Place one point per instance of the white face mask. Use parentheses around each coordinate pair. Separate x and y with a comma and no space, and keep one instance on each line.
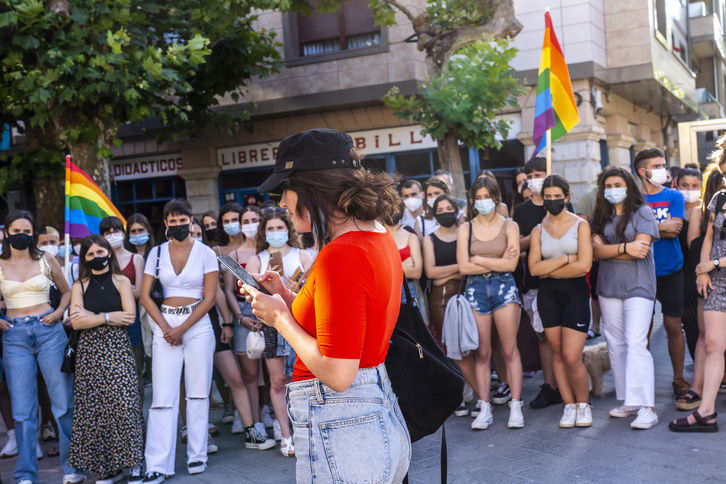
(413,204)
(691,196)
(431,201)
(536,184)
(77,249)
(51,250)
(250,230)
(115,240)
(658,176)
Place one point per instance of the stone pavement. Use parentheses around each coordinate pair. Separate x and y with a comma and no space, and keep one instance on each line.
(607,452)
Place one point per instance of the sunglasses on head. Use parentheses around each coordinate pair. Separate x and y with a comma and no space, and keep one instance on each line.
(276,210)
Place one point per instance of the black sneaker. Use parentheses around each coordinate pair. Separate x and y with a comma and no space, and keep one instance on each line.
(154,478)
(255,440)
(228,415)
(547,396)
(137,473)
(196,467)
(503,395)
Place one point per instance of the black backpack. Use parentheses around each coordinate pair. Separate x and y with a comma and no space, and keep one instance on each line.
(429,386)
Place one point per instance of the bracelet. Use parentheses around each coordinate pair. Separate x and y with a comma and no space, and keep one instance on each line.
(106,319)
(625,247)
(228,325)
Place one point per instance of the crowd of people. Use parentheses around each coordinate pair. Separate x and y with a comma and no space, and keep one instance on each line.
(130,302)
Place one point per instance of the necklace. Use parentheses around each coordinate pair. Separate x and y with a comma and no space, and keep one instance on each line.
(94,278)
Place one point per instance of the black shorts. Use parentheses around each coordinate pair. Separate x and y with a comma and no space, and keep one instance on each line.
(564,302)
(593,279)
(214,318)
(669,291)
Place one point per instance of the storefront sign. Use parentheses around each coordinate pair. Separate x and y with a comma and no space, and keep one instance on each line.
(389,140)
(148,167)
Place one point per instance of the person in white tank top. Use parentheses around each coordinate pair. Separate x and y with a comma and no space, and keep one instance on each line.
(277,235)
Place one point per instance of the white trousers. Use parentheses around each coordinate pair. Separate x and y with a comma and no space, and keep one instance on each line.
(625,323)
(197,351)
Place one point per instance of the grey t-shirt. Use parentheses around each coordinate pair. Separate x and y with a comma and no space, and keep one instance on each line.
(623,279)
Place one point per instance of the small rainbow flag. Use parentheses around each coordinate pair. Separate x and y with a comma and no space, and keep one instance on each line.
(86,204)
(555,106)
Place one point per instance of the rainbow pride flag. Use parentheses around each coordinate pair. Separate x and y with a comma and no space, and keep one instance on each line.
(86,204)
(555,106)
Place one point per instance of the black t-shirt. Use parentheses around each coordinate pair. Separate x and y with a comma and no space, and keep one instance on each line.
(528,215)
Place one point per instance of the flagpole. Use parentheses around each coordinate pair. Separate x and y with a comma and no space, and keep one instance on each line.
(548,150)
(67,236)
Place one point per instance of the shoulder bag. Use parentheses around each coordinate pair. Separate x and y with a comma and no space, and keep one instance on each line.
(54,295)
(157,289)
(69,355)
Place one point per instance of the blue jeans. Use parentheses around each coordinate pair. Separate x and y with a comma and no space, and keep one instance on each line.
(487,294)
(30,344)
(358,435)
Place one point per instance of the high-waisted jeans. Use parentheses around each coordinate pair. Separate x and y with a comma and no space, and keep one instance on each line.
(27,346)
(358,435)
(197,351)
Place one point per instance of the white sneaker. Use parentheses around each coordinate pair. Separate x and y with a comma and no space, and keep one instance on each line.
(569,416)
(468,393)
(276,430)
(266,417)
(462,411)
(24,481)
(484,419)
(74,478)
(647,419)
(260,427)
(287,448)
(11,446)
(38,451)
(477,409)
(196,468)
(584,415)
(237,426)
(516,419)
(624,411)
(211,446)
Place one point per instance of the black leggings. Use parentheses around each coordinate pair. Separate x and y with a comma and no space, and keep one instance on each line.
(564,302)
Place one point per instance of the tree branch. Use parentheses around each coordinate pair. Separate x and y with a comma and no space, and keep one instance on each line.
(402,9)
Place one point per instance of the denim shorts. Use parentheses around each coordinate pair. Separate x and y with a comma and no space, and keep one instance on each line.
(487,294)
(358,435)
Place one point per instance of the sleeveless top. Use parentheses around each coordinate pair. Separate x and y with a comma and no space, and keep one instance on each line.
(493,248)
(405,253)
(101,295)
(290,262)
(24,294)
(130,270)
(444,252)
(566,245)
(239,294)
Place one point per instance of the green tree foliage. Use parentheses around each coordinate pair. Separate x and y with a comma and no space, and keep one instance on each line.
(465,98)
(74,72)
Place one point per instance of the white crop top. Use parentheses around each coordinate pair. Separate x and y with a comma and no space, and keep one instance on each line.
(190,282)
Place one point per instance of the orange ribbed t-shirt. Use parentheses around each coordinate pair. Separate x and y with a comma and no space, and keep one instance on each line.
(351,299)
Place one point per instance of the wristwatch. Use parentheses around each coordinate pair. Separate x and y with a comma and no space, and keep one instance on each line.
(717,264)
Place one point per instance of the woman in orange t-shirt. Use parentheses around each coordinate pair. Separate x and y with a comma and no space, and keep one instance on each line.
(342,408)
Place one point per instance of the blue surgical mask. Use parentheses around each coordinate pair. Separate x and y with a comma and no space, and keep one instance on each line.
(233,229)
(616,195)
(485,207)
(139,239)
(276,239)
(62,251)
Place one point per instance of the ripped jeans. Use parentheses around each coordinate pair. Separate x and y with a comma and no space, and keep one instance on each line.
(487,294)
(197,350)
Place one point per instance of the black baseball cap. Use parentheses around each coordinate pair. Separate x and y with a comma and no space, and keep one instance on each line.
(315,149)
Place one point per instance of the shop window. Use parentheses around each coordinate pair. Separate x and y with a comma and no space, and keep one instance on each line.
(350,27)
(148,197)
(375,165)
(422,164)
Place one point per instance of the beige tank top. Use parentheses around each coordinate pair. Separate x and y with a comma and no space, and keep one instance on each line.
(494,248)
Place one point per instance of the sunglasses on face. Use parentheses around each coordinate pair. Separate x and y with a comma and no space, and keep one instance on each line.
(276,210)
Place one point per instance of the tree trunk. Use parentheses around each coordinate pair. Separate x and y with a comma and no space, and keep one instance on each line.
(450,159)
(49,202)
(85,156)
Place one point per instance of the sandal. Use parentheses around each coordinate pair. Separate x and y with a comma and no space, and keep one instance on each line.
(689,401)
(700,425)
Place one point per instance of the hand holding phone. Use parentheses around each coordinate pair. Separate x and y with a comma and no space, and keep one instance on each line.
(240,273)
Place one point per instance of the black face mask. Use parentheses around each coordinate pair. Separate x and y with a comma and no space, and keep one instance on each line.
(211,234)
(446,219)
(20,241)
(554,207)
(178,232)
(98,263)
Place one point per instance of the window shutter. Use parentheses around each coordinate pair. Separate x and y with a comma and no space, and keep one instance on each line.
(320,26)
(358,18)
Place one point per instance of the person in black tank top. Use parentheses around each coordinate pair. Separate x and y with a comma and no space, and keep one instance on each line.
(102,307)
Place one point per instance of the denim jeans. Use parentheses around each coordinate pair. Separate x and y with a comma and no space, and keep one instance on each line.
(30,344)
(197,351)
(358,435)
